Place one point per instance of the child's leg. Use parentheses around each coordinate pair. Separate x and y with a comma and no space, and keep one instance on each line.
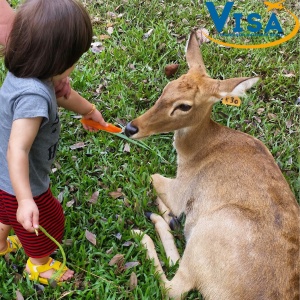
(38,248)
(4,231)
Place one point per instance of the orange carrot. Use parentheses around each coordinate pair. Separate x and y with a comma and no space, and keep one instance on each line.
(110,128)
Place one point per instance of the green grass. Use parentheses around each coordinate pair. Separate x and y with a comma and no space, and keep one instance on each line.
(268,113)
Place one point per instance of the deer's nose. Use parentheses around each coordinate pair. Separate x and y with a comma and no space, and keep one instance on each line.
(131,130)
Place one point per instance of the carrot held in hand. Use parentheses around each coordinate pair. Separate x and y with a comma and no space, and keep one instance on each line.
(110,128)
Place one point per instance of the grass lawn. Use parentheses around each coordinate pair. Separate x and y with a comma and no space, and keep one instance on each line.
(103,180)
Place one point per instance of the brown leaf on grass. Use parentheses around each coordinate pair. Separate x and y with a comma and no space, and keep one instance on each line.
(109,251)
(118,193)
(126,202)
(60,196)
(70,203)
(17,278)
(78,145)
(127,244)
(68,242)
(111,14)
(133,281)
(104,37)
(287,73)
(131,264)
(257,119)
(117,259)
(118,235)
(260,110)
(171,69)
(126,148)
(19,295)
(94,197)
(147,34)
(91,237)
(110,30)
(97,47)
(289,123)
(272,116)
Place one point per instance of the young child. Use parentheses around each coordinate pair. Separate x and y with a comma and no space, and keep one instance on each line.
(46,40)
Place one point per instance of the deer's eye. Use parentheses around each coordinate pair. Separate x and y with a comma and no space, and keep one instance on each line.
(184,107)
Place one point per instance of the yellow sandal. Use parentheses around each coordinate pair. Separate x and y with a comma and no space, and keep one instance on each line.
(13,244)
(35,271)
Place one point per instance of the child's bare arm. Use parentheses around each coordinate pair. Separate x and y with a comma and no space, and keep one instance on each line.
(23,133)
(80,105)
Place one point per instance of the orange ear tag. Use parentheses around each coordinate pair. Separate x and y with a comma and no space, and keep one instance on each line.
(234,101)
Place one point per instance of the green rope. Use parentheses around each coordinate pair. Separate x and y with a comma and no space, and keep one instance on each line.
(63,264)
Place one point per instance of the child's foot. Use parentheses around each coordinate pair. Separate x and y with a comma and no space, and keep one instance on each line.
(44,272)
(12,245)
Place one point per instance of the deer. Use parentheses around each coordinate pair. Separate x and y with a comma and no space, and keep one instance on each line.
(241,217)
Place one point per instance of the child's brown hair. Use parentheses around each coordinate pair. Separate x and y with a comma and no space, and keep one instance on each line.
(47,38)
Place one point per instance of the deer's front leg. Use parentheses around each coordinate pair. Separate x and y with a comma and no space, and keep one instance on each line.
(167,201)
(162,186)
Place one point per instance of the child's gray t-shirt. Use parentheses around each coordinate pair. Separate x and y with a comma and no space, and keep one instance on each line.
(29,98)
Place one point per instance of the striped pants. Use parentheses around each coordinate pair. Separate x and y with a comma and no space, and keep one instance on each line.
(51,217)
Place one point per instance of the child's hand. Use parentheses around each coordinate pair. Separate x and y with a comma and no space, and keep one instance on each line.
(28,214)
(95,116)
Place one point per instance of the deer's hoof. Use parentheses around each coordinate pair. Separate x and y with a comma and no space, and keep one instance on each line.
(174,224)
(148,214)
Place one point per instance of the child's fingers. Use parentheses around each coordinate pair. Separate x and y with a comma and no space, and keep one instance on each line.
(35,220)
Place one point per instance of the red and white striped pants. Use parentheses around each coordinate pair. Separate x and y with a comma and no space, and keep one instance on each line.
(51,217)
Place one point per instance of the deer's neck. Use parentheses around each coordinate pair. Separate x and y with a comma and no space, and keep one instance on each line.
(191,140)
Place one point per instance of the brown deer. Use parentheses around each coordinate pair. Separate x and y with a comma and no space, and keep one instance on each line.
(242,220)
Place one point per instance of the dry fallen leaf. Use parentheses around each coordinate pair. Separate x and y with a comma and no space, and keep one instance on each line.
(133,281)
(94,197)
(77,146)
(68,242)
(118,235)
(272,116)
(289,75)
(126,148)
(118,193)
(109,251)
(116,259)
(19,295)
(147,34)
(91,237)
(104,37)
(70,203)
(110,30)
(289,123)
(131,264)
(127,244)
(60,197)
(171,69)
(97,47)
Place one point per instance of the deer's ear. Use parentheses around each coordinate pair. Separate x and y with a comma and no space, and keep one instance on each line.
(236,86)
(193,54)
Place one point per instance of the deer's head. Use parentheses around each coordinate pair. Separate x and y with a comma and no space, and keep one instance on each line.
(187,101)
